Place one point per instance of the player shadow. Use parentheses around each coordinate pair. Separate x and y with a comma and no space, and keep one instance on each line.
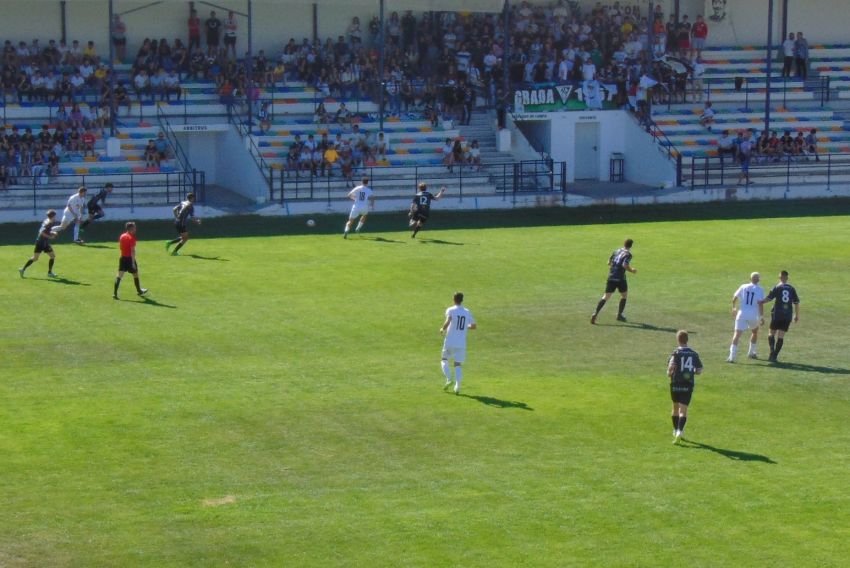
(496,402)
(199,257)
(731,454)
(91,246)
(643,327)
(148,302)
(381,240)
(809,368)
(65,281)
(440,242)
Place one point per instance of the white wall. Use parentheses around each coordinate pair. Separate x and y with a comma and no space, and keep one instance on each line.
(646,163)
(822,21)
(610,137)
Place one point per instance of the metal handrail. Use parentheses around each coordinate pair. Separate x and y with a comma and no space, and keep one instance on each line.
(775,82)
(244,131)
(507,177)
(176,185)
(717,171)
(179,153)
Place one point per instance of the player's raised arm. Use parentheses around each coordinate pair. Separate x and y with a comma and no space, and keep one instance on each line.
(440,194)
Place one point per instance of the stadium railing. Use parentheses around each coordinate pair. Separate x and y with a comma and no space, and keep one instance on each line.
(503,178)
(713,171)
(130,189)
(779,87)
(180,155)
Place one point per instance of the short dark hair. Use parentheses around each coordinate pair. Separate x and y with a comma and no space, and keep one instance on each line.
(784,274)
(51,213)
(109,185)
(129,225)
(628,244)
(365,180)
(682,336)
(190,196)
(458,297)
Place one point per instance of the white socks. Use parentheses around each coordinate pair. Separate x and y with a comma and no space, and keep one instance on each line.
(458,376)
(752,350)
(446,370)
(76,231)
(359,226)
(733,351)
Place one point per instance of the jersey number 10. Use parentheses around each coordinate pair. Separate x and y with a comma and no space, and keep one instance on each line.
(461,323)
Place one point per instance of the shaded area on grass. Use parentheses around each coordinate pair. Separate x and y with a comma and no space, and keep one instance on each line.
(199,257)
(731,454)
(642,327)
(257,226)
(146,301)
(497,402)
(809,368)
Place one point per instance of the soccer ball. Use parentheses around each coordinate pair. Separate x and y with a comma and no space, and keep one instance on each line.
(311,223)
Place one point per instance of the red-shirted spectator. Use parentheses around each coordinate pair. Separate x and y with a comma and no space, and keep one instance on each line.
(194,30)
(88,142)
(700,33)
(127,262)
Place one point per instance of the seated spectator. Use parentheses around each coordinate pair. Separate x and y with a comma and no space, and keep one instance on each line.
(707,117)
(78,84)
(4,177)
(44,137)
(51,87)
(475,155)
(151,155)
(88,142)
(53,166)
(775,151)
(799,144)
(77,118)
(787,144)
(343,115)
(87,73)
(458,154)
(318,161)
(65,90)
(305,160)
(90,52)
(122,97)
(448,156)
(142,85)
(321,115)
(157,84)
(161,144)
(380,147)
(762,149)
(171,86)
(292,159)
(812,144)
(24,87)
(74,143)
(330,158)
(264,118)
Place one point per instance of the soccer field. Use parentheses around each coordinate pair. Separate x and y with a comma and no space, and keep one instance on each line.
(278,401)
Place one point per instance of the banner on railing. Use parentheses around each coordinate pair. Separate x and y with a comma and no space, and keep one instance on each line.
(199,127)
(582,95)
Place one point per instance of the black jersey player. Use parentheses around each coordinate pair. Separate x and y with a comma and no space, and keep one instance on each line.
(684,364)
(618,264)
(786,308)
(95,206)
(182,212)
(42,244)
(420,208)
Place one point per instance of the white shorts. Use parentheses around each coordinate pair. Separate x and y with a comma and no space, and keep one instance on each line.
(742,324)
(458,354)
(67,218)
(358,211)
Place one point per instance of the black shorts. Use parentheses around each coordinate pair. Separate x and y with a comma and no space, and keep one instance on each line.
(181,226)
(126,264)
(229,40)
(119,41)
(95,210)
(779,324)
(420,216)
(43,246)
(620,285)
(682,395)
(212,40)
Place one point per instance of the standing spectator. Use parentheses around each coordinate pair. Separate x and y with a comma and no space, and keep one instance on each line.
(213,27)
(88,143)
(700,33)
(812,144)
(745,147)
(230,26)
(150,155)
(194,31)
(788,55)
(119,37)
(801,54)
(707,117)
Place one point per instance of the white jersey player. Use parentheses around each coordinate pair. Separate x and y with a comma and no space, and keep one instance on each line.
(74,213)
(458,321)
(749,314)
(363,197)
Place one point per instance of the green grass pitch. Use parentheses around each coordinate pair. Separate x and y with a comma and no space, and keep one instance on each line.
(278,401)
